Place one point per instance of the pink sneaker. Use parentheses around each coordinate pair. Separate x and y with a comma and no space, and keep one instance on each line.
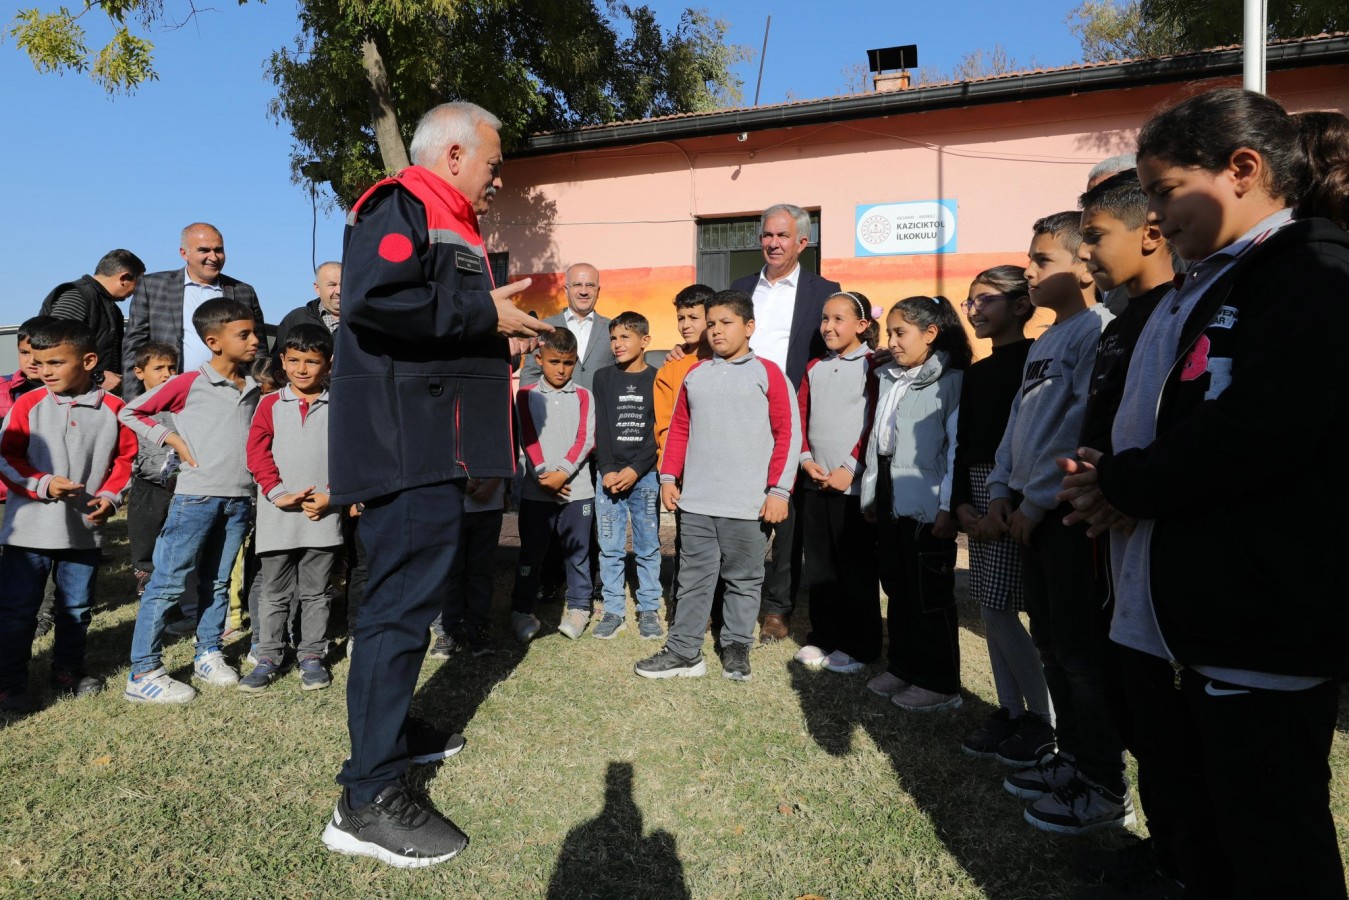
(887,685)
(917,699)
(810,656)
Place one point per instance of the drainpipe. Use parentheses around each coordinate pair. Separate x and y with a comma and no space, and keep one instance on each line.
(1253,49)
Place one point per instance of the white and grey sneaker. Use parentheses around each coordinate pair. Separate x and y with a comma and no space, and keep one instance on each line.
(157,687)
(212,669)
(1081,806)
(574,622)
(1041,780)
(394,828)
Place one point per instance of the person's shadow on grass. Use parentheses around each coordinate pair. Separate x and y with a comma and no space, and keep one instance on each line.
(608,856)
(977,821)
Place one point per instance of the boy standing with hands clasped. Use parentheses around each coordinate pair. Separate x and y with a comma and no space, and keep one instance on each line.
(212,503)
(296,537)
(625,451)
(66,462)
(1081,787)
(557,501)
(730,488)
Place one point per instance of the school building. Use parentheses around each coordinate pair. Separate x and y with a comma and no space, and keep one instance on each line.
(912,190)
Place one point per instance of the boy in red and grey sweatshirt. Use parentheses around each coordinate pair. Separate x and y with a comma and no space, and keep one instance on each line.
(212,500)
(66,461)
(298,534)
(557,499)
(729,466)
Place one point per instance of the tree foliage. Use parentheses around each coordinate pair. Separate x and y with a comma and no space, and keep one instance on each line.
(1111,30)
(57,41)
(979,63)
(539,66)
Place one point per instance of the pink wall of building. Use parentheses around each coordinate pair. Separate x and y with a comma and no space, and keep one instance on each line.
(633,211)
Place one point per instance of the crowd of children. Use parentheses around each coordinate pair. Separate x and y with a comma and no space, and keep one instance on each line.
(891,452)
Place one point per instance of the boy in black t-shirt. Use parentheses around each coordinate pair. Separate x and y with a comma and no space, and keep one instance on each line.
(627,488)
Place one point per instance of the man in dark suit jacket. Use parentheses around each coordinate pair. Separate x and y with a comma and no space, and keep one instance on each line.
(157,307)
(788,304)
(583,292)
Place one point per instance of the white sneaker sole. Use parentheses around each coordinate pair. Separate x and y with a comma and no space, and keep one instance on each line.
(734,676)
(339,841)
(1123,822)
(695,671)
(163,700)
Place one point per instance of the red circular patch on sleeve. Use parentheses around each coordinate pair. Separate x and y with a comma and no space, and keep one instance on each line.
(395,247)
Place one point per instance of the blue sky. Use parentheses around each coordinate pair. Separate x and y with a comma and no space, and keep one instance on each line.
(88,173)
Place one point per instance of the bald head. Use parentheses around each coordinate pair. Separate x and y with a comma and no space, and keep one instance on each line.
(203,250)
(328,287)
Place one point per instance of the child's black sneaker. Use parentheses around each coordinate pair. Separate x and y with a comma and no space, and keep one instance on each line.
(1032,744)
(443,647)
(428,744)
(648,625)
(16,700)
(264,673)
(479,641)
(1081,806)
(75,684)
(1041,780)
(394,828)
(735,662)
(668,664)
(313,674)
(609,626)
(985,739)
(45,623)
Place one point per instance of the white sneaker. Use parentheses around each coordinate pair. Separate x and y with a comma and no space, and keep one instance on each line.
(574,622)
(157,687)
(212,669)
(810,656)
(842,663)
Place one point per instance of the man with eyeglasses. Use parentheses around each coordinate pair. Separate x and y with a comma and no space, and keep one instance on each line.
(580,318)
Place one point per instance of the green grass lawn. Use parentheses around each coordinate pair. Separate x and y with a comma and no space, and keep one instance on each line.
(579,780)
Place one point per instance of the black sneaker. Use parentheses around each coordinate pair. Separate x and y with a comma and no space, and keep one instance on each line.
(73,684)
(735,662)
(668,664)
(985,739)
(394,828)
(1032,744)
(428,744)
(1081,806)
(443,647)
(16,700)
(479,641)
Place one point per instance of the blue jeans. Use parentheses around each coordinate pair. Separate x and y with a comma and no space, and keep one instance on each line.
(640,505)
(23,579)
(201,534)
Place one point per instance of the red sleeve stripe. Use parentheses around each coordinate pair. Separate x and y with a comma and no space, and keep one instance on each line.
(529,435)
(579,449)
(171,397)
(259,448)
(780,418)
(127,447)
(14,445)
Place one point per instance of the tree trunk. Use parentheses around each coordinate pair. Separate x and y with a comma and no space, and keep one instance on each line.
(382,114)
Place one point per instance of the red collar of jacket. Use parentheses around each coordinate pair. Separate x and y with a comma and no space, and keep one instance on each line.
(445,206)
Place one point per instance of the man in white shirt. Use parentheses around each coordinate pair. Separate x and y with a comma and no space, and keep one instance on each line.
(788,304)
(582,287)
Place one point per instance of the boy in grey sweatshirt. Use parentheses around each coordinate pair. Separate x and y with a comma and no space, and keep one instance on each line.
(212,502)
(557,500)
(66,461)
(731,487)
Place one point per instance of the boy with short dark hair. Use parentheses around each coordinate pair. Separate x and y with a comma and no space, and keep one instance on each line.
(629,488)
(212,502)
(26,377)
(557,431)
(1082,786)
(66,461)
(691,318)
(729,467)
(155,470)
(297,535)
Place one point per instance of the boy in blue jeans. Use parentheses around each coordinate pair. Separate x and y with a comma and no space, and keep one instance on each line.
(629,488)
(65,482)
(212,501)
(557,500)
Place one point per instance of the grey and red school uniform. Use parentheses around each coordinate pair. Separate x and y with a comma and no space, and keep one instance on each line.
(557,432)
(287,453)
(733,441)
(212,504)
(78,438)
(837,399)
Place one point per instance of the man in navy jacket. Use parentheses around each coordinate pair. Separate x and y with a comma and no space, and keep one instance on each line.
(420,403)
